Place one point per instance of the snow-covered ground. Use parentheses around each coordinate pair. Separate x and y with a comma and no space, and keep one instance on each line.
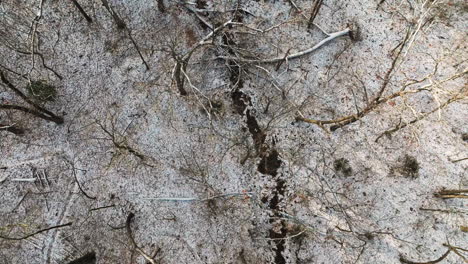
(230,172)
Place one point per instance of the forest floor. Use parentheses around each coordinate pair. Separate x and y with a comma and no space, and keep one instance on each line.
(235,132)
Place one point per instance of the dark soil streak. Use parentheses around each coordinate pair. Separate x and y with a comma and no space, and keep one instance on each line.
(270,161)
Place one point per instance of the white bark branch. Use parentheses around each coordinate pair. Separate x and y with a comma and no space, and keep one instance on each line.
(331,37)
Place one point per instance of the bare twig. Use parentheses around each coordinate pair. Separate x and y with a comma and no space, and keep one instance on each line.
(331,37)
(118,21)
(42,112)
(122,25)
(11,128)
(448,194)
(182,61)
(202,19)
(35,233)
(403,260)
(451,248)
(389,132)
(82,11)
(132,239)
(29,111)
(315,10)
(72,164)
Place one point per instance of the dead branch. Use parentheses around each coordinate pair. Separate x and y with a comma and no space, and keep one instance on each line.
(196,12)
(11,128)
(448,194)
(315,10)
(342,121)
(35,233)
(346,120)
(82,11)
(120,144)
(193,199)
(41,112)
(121,25)
(32,112)
(118,21)
(72,164)
(403,260)
(448,211)
(389,132)
(457,250)
(182,61)
(451,248)
(132,239)
(33,34)
(331,37)
(40,56)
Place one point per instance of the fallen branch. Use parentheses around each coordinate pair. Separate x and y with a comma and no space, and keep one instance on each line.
(72,164)
(132,239)
(389,132)
(182,61)
(41,112)
(161,6)
(11,128)
(448,194)
(40,56)
(403,260)
(82,11)
(33,112)
(35,233)
(451,248)
(122,25)
(331,37)
(315,10)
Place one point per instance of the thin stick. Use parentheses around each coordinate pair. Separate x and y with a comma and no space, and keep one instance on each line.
(331,37)
(78,182)
(403,260)
(122,25)
(29,111)
(35,233)
(53,117)
(132,239)
(12,129)
(193,199)
(82,11)
(315,10)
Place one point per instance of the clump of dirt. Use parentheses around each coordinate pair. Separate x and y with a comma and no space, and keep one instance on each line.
(342,165)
